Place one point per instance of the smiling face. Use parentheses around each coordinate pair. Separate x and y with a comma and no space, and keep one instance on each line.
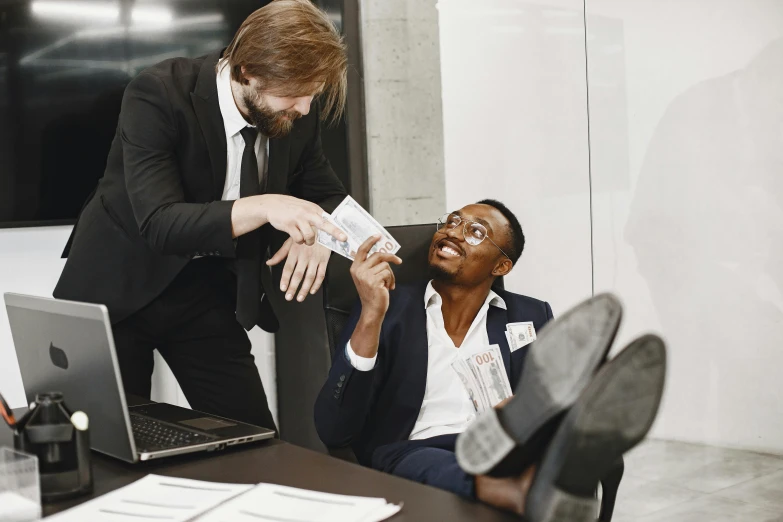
(452,259)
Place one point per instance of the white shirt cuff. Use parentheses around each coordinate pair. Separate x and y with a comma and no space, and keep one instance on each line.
(363,364)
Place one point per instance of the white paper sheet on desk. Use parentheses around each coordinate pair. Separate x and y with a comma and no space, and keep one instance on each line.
(154,498)
(272,502)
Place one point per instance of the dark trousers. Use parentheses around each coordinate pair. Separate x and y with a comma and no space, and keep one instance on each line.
(428,461)
(193,325)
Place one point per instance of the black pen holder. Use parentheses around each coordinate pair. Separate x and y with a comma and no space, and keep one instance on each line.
(63,451)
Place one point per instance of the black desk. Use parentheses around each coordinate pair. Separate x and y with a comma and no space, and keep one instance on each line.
(282,463)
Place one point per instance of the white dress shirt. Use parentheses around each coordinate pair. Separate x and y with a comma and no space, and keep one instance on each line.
(446,407)
(235,144)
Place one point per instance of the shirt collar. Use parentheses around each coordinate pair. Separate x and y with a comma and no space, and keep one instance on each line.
(432,297)
(232,118)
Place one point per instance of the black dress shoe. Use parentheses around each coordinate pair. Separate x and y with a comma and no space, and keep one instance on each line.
(559,365)
(613,414)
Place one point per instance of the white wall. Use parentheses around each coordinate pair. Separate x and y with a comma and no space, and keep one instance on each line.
(30,264)
(686,148)
(515,129)
(687,145)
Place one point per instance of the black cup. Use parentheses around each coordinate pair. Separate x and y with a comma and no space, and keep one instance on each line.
(63,451)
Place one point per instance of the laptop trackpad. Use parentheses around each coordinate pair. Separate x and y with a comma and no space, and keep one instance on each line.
(207,423)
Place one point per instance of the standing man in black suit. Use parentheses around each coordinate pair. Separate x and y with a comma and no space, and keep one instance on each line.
(214,159)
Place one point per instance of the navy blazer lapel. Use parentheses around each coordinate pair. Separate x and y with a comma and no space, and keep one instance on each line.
(497,318)
(205,103)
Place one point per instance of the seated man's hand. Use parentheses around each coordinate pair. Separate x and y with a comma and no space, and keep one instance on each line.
(503,402)
(373,278)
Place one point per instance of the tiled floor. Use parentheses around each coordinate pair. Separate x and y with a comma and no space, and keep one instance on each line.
(678,482)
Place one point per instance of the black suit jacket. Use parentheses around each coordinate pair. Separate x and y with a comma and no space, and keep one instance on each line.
(158,203)
(367,410)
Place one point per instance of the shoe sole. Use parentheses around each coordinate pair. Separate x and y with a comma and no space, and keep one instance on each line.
(614,414)
(547,387)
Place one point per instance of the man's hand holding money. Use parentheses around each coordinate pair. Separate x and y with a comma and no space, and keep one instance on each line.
(373,277)
(302,220)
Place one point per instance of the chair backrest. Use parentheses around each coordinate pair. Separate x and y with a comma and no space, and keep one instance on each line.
(340,293)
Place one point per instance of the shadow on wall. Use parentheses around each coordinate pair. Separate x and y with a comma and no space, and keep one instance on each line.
(706,220)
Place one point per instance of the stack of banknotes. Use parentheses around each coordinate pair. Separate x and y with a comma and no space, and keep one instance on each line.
(358,225)
(483,373)
(484,376)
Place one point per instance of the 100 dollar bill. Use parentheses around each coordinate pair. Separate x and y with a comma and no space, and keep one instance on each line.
(484,376)
(358,225)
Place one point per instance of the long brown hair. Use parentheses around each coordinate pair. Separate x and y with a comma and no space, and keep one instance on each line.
(290,46)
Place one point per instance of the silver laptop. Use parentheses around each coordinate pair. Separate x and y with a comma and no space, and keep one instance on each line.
(68,347)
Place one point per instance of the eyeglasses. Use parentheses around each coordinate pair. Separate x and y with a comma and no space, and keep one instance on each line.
(473,233)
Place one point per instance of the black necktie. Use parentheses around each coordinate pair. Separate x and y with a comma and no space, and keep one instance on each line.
(248,261)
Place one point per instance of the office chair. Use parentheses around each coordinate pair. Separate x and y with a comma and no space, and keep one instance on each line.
(340,296)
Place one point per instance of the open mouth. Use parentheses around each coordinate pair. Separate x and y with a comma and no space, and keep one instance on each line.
(449,248)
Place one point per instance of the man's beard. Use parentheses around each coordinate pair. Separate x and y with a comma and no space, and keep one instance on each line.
(439,274)
(272,124)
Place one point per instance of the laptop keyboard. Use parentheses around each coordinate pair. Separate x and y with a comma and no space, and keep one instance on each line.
(152,435)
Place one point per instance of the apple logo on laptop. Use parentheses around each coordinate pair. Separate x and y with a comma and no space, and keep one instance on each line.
(58,357)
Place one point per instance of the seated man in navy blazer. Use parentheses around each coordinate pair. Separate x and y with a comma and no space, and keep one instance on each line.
(392,391)
(394,398)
